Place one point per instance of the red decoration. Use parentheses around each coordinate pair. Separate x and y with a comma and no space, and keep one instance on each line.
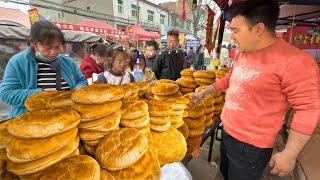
(209,26)
(183,10)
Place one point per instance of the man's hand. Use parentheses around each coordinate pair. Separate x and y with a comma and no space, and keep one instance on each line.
(197,97)
(282,163)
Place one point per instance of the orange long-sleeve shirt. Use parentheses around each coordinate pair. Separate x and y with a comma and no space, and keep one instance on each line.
(260,88)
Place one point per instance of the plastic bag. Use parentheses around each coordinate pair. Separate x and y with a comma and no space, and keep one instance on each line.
(175,171)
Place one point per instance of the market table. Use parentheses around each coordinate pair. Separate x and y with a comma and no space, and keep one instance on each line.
(208,132)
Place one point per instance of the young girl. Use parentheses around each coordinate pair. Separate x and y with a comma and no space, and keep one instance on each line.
(118,62)
(148,75)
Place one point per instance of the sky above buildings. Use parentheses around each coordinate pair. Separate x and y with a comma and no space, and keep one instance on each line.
(161,1)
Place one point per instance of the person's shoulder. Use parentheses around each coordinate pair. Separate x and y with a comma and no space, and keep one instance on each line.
(292,53)
(64,58)
(19,57)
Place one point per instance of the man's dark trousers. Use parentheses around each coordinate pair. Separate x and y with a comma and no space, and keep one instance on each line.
(242,161)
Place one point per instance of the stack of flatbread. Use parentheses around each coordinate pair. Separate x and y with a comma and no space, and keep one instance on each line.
(204,77)
(100,108)
(40,139)
(124,154)
(187,82)
(135,115)
(131,92)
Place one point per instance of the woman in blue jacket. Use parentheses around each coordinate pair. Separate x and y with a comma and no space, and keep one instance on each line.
(40,67)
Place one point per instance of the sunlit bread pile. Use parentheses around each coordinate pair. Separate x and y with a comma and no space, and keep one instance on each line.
(49,99)
(135,115)
(187,82)
(168,146)
(131,92)
(204,77)
(195,120)
(76,167)
(42,138)
(100,108)
(178,106)
(209,101)
(159,113)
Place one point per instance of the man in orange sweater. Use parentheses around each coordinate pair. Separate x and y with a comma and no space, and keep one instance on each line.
(268,76)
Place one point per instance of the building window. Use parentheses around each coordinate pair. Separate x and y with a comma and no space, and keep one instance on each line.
(135,11)
(150,15)
(120,6)
(75,11)
(88,8)
(162,18)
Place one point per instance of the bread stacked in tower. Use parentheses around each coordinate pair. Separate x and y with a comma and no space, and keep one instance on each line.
(178,106)
(187,82)
(168,146)
(159,113)
(165,89)
(209,101)
(218,103)
(131,92)
(135,115)
(49,99)
(143,87)
(40,139)
(221,73)
(5,138)
(124,154)
(204,77)
(195,119)
(100,108)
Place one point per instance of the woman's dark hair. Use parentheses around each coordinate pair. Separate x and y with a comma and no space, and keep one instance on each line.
(133,58)
(45,32)
(100,49)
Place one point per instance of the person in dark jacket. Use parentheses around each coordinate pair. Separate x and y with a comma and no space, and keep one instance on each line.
(169,62)
(94,60)
(199,60)
(152,48)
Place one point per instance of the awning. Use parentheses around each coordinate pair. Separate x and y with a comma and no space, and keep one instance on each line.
(22,33)
(14,15)
(142,34)
(96,24)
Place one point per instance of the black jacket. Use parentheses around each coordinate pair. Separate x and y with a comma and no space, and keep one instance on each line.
(168,64)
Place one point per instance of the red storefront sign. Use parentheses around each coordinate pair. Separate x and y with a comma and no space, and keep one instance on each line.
(74,27)
(304,37)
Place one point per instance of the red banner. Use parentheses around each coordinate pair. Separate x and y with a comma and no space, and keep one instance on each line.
(183,11)
(74,27)
(304,37)
(209,27)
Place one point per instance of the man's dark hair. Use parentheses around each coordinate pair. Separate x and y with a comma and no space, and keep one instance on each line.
(173,32)
(45,32)
(153,43)
(258,11)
